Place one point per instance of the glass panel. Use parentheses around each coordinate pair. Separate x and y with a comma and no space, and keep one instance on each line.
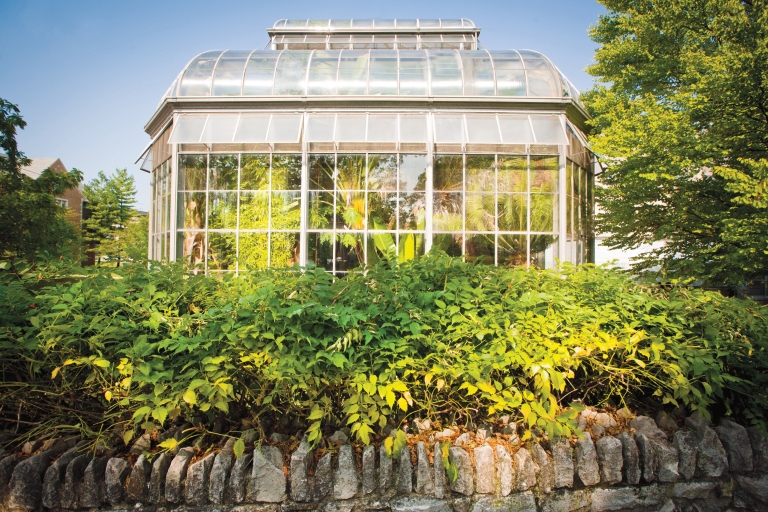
(350,210)
(286,172)
(284,128)
(322,73)
(220,128)
(191,210)
(382,172)
(365,23)
(406,23)
(478,73)
(320,250)
(254,210)
(383,23)
(318,24)
(350,128)
(192,170)
(296,24)
(450,244)
(413,73)
(320,210)
(223,172)
(450,23)
(382,128)
(320,127)
(543,212)
(543,83)
(349,251)
(410,247)
(544,173)
(350,172)
(429,23)
(228,77)
(254,173)
(283,250)
(569,197)
(381,246)
(188,129)
(483,129)
(222,210)
(191,247)
(516,130)
(445,67)
(480,212)
(291,73)
(353,72)
(513,174)
(384,42)
(544,251)
(510,76)
(286,210)
(481,175)
(481,248)
(197,77)
(513,212)
(341,23)
(260,73)
(534,60)
(548,130)
(446,212)
(253,251)
(413,173)
(221,251)
(406,42)
(252,128)
(449,129)
(321,172)
(449,172)
(513,250)
(339,42)
(383,73)
(381,211)
(412,211)
(413,128)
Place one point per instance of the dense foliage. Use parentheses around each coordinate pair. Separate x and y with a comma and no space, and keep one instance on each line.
(137,348)
(681,120)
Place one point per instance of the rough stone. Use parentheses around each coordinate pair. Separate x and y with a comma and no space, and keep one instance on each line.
(267,483)
(300,461)
(631,455)
(648,461)
(72,479)
(31,447)
(666,422)
(141,445)
(94,488)
(461,504)
(624,413)
(505,470)
(58,445)
(339,438)
(587,468)
(693,490)
(759,442)
(238,478)
(687,449)
(369,469)
(604,420)
(736,442)
(666,455)
(54,479)
(177,472)
(425,483)
(562,458)
(219,476)
(25,487)
(463,483)
(565,501)
(523,502)
(420,425)
(546,471)
(404,472)
(7,464)
(407,504)
(712,459)
(697,422)
(447,432)
(609,454)
(756,488)
(137,484)
(485,473)
(197,484)
(483,433)
(385,470)
(323,477)
(345,481)
(463,440)
(647,427)
(597,430)
(157,478)
(277,437)
(115,475)
(628,498)
(525,470)
(439,471)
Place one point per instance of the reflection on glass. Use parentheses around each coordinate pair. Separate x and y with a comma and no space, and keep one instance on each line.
(512,250)
(320,210)
(413,173)
(350,252)
(254,210)
(284,250)
(254,174)
(351,172)
(513,174)
(446,212)
(192,172)
(410,246)
(350,209)
(480,212)
(286,172)
(480,249)
(513,212)
(448,243)
(381,210)
(221,251)
(191,210)
(382,172)
(222,210)
(320,250)
(448,172)
(223,172)
(544,251)
(286,210)
(412,211)
(544,171)
(481,175)
(321,172)
(543,212)
(253,251)
(381,246)
(191,247)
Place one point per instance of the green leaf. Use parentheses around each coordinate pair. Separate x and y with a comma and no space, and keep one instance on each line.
(127,436)
(239,448)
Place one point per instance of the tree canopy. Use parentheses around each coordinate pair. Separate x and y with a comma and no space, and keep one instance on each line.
(680,117)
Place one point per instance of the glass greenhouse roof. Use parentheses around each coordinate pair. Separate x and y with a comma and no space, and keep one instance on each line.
(372,24)
(482,73)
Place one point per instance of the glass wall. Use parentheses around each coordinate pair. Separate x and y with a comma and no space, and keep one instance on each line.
(579,214)
(159,245)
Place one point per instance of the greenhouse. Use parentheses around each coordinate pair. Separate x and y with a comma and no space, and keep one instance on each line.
(350,141)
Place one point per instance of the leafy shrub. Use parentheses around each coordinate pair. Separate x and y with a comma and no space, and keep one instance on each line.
(436,338)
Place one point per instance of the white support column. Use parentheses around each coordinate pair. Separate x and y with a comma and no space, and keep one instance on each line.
(174,188)
(429,185)
(303,223)
(562,227)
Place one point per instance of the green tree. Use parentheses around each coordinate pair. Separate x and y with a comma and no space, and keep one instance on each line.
(136,236)
(681,120)
(30,220)
(110,201)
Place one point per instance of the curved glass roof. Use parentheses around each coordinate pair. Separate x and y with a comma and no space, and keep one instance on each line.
(371,24)
(512,73)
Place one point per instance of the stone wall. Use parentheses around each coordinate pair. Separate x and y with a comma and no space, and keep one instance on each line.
(644,468)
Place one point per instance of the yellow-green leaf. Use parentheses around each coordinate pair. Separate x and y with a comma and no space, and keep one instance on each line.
(169,444)
(239,448)
(127,436)
(402,404)
(190,397)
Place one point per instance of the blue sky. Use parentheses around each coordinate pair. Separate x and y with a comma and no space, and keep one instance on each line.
(87,75)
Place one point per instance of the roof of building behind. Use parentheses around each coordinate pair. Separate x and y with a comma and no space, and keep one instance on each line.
(38,165)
